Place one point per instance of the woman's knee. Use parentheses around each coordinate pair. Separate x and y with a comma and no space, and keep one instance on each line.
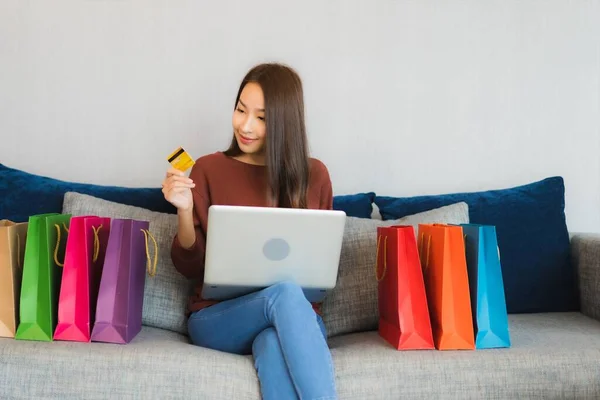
(286,289)
(287,294)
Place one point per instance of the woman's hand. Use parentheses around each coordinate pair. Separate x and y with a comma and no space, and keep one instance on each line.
(177,189)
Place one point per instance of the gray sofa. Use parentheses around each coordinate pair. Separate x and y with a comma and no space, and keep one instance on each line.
(553,355)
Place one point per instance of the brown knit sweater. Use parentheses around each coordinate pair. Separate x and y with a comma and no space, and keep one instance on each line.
(222,180)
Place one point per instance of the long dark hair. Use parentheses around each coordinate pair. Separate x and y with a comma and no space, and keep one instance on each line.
(286,147)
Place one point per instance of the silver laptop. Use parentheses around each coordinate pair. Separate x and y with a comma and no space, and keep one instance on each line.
(250,248)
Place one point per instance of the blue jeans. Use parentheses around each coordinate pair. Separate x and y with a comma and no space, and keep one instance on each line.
(286,337)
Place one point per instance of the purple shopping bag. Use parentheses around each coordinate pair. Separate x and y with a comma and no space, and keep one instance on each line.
(121,293)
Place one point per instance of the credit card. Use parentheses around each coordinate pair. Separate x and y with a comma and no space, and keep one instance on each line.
(181,160)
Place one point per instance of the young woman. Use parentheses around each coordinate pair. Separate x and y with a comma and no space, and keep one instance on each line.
(267,164)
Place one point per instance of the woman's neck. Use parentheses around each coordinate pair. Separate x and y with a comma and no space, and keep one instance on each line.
(254,159)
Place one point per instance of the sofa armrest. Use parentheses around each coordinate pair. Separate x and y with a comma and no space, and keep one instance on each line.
(585,253)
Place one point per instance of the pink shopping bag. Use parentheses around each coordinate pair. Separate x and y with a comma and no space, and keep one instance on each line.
(84,257)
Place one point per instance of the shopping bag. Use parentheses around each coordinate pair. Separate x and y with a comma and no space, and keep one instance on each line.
(84,256)
(121,293)
(442,253)
(12,249)
(490,317)
(403,311)
(44,254)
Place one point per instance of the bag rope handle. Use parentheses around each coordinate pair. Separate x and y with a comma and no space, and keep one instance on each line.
(151,270)
(19,264)
(384,259)
(428,248)
(96,242)
(58,243)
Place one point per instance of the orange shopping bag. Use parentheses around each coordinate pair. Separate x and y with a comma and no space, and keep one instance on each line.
(442,252)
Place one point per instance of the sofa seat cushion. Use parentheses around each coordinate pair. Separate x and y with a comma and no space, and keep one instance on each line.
(157,364)
(554,355)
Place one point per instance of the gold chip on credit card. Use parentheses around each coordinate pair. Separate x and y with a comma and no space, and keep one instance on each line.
(181,160)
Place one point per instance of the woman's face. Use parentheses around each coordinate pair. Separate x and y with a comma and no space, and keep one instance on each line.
(249,120)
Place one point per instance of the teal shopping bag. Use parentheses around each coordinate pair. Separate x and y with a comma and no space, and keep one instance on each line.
(488,302)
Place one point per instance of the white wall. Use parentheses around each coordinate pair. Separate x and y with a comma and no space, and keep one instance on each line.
(403,97)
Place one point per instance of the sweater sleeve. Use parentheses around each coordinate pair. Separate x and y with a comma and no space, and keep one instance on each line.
(190,262)
(326,200)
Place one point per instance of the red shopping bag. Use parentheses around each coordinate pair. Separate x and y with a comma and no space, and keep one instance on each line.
(403,311)
(82,269)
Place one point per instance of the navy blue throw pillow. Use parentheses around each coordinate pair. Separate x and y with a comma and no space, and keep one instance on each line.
(23,194)
(355,205)
(532,236)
